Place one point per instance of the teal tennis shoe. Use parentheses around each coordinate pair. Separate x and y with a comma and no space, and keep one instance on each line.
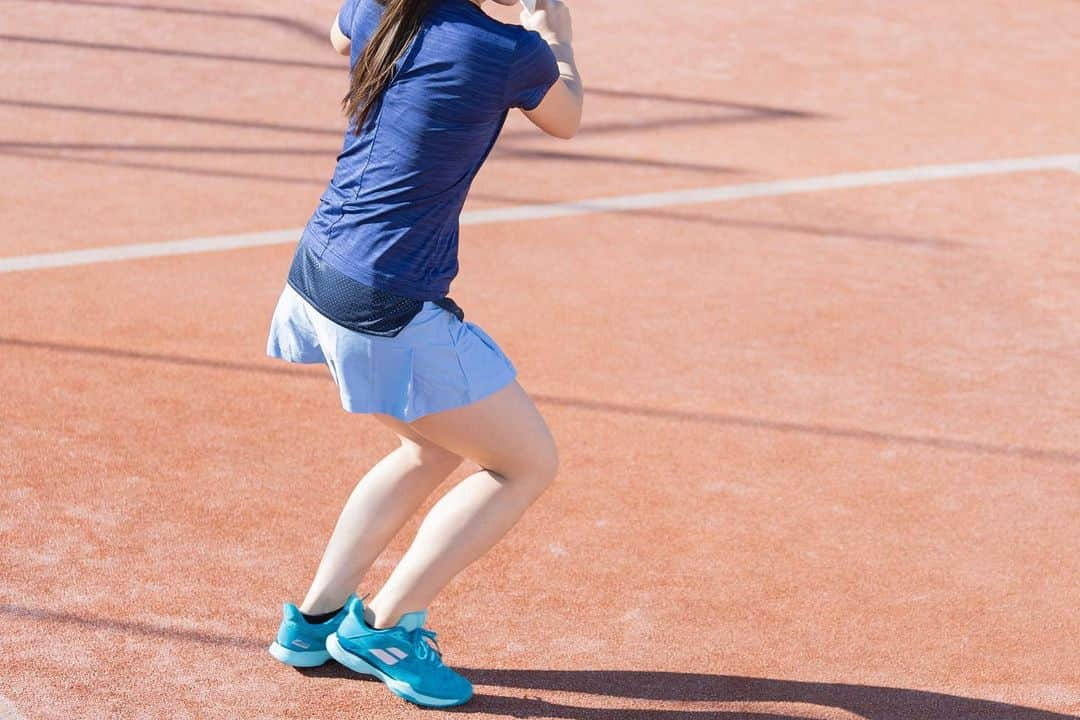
(303,644)
(406,657)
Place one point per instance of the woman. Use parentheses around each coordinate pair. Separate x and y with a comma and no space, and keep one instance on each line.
(432,83)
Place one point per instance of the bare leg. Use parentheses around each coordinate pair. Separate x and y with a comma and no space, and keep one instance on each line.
(381,503)
(503,433)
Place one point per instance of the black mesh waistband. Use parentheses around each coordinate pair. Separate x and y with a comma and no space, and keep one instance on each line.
(352,304)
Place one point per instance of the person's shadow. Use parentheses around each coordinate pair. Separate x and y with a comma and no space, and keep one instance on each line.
(653,688)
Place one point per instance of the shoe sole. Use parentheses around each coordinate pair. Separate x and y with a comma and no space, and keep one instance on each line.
(401,689)
(296,658)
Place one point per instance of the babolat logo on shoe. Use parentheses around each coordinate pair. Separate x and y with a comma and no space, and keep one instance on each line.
(390,655)
(300,644)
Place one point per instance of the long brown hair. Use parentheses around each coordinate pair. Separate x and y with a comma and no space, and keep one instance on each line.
(374,70)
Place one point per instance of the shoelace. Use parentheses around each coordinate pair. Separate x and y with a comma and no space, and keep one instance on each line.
(425,650)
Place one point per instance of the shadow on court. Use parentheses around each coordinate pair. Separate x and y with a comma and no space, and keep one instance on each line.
(172,52)
(178,117)
(866,701)
(713,418)
(311,31)
(165,167)
(684,216)
(52,148)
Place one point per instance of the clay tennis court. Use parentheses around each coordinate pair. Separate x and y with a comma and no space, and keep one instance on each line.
(804,316)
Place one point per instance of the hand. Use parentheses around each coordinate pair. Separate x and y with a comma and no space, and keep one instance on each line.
(551,20)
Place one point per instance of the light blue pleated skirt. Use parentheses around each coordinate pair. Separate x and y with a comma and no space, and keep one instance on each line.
(435,363)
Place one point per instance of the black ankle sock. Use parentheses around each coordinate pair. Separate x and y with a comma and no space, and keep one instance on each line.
(317,619)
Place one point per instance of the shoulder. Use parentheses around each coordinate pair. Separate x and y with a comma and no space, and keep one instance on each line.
(468,25)
(518,43)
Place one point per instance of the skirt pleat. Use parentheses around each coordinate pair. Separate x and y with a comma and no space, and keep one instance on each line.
(435,363)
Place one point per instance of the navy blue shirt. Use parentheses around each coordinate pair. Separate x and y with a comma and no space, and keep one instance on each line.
(389,218)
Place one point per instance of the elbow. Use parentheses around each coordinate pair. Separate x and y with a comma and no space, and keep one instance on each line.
(338,39)
(559,116)
(565,133)
(563,130)
(570,128)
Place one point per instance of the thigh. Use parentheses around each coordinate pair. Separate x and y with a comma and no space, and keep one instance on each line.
(503,432)
(413,439)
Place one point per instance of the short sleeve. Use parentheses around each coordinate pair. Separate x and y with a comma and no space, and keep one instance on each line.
(533,70)
(345,17)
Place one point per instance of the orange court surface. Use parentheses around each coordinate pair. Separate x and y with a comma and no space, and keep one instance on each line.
(801,303)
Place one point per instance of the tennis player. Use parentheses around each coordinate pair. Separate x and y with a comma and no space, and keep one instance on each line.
(367,294)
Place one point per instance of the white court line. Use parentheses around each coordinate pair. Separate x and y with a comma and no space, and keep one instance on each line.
(521,213)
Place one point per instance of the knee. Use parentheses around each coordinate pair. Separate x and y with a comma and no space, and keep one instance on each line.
(534,470)
(546,463)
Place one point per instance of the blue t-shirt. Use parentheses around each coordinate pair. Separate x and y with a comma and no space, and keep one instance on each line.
(389,218)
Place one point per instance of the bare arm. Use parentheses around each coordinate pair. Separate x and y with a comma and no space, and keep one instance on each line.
(337,38)
(559,113)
